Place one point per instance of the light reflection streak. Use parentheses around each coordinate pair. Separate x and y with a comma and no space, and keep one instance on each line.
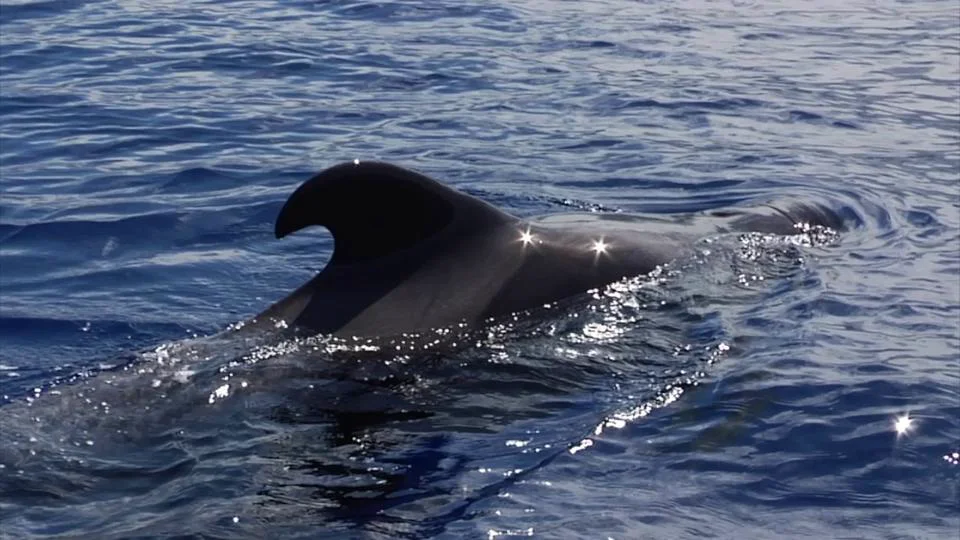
(670,393)
(493,533)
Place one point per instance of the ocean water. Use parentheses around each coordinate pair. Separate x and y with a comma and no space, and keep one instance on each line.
(769,388)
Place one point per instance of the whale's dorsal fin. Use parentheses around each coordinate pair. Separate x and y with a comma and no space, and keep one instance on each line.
(374,209)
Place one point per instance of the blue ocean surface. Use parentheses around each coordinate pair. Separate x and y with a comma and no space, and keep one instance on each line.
(770,388)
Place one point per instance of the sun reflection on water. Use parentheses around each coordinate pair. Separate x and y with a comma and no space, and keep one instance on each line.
(903,425)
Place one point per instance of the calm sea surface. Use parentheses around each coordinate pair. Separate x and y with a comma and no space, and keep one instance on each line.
(767,389)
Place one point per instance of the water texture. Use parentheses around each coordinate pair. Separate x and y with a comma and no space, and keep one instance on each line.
(767,388)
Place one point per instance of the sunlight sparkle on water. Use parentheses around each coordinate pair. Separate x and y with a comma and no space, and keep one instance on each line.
(493,533)
(903,425)
(221,392)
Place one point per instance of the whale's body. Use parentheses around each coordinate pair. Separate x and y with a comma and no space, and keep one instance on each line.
(411,254)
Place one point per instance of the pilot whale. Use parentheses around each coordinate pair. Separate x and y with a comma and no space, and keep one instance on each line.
(411,254)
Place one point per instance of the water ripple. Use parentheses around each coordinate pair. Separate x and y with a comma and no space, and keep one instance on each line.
(145,148)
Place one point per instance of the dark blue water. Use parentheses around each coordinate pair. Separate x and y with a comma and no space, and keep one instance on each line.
(146,147)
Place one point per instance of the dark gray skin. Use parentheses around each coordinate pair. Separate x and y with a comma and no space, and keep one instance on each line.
(411,254)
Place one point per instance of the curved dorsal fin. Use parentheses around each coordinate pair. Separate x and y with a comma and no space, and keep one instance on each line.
(374,209)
